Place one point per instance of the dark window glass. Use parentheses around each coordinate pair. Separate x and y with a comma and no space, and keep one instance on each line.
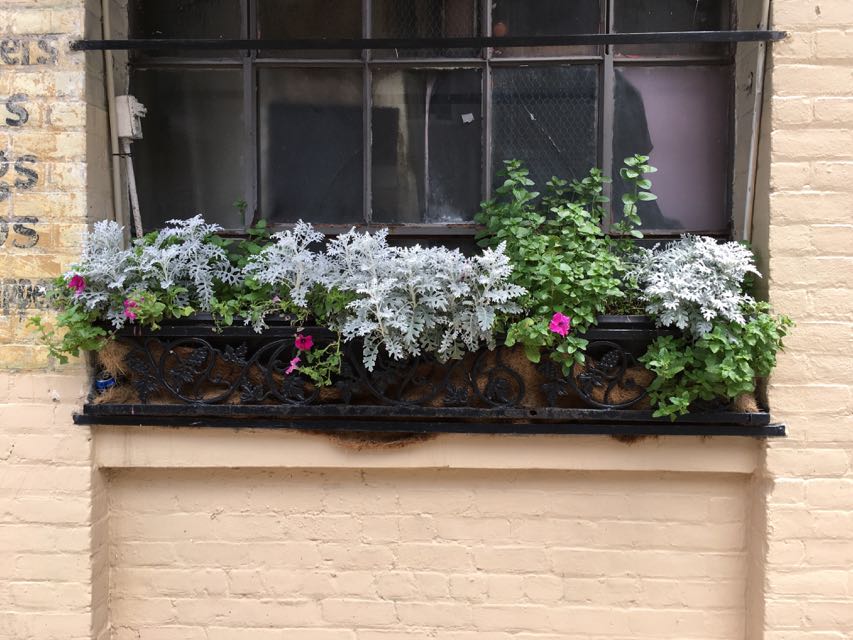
(639,16)
(283,19)
(311,145)
(185,19)
(425,19)
(679,117)
(545,18)
(546,117)
(427,140)
(192,157)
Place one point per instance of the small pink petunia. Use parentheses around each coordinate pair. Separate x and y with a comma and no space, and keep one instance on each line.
(276,299)
(129,306)
(304,343)
(78,283)
(293,366)
(560,324)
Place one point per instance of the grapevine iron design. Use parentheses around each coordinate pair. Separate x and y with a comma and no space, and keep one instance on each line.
(218,369)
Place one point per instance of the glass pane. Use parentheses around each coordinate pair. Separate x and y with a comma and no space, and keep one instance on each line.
(192,158)
(640,16)
(545,18)
(679,116)
(311,145)
(186,19)
(547,118)
(427,128)
(425,19)
(283,19)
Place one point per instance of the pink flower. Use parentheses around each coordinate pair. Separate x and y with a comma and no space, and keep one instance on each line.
(276,299)
(78,283)
(560,324)
(129,306)
(293,366)
(304,343)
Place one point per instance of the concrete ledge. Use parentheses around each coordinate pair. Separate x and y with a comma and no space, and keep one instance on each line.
(156,447)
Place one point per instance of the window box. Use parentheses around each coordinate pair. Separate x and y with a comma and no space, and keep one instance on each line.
(191,373)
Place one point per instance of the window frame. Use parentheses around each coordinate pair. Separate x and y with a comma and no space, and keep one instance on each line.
(251,61)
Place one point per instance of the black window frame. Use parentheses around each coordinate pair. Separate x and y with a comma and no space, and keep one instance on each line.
(250,61)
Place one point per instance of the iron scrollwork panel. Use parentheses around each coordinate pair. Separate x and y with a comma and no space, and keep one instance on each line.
(251,370)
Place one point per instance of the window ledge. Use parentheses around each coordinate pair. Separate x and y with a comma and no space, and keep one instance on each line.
(169,448)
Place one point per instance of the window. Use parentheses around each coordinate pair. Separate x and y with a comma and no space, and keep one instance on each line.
(412,139)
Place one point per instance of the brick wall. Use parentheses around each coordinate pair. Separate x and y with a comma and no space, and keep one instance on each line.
(809,581)
(168,551)
(386,554)
(46,480)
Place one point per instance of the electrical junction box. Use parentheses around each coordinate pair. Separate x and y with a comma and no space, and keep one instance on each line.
(129,114)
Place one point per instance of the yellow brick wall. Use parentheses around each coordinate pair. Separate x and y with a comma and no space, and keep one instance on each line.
(808,576)
(450,554)
(617,551)
(46,479)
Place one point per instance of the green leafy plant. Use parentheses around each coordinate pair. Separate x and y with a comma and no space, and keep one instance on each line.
(561,254)
(723,363)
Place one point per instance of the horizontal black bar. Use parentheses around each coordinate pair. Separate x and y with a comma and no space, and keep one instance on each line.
(107,412)
(659,37)
(509,428)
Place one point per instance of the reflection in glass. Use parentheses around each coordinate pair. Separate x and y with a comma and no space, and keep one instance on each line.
(427,127)
(545,18)
(425,19)
(679,117)
(638,16)
(547,118)
(185,19)
(311,145)
(284,19)
(192,158)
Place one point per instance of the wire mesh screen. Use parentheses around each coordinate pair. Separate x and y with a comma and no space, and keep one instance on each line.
(546,117)
(426,19)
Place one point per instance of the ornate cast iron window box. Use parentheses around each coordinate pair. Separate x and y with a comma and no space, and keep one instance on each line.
(191,373)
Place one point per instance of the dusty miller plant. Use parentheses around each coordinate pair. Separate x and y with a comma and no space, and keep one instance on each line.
(414,300)
(181,258)
(289,263)
(694,281)
(105,265)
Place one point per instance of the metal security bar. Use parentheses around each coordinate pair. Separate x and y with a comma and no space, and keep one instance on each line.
(309,44)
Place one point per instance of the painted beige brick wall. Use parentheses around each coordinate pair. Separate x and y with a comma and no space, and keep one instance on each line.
(384,554)
(809,571)
(549,554)
(47,489)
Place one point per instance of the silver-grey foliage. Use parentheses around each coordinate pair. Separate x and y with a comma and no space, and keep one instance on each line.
(181,256)
(693,281)
(290,262)
(414,300)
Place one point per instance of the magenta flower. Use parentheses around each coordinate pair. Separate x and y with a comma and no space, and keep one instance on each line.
(129,306)
(78,283)
(304,343)
(560,324)
(293,366)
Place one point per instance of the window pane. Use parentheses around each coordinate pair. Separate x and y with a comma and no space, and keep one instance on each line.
(545,18)
(283,19)
(427,128)
(311,145)
(547,118)
(425,19)
(192,158)
(639,16)
(185,19)
(679,117)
